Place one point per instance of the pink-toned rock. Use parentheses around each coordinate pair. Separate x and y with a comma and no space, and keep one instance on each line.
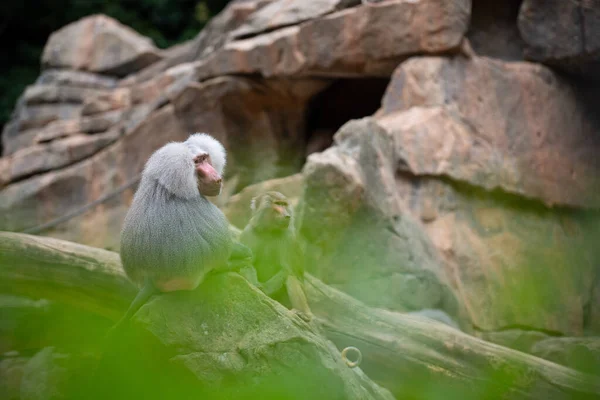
(480,124)
(101,122)
(497,125)
(280,13)
(38,115)
(13,138)
(212,38)
(512,262)
(76,78)
(29,119)
(99,44)
(41,93)
(162,84)
(53,155)
(374,226)
(364,40)
(22,139)
(107,101)
(58,130)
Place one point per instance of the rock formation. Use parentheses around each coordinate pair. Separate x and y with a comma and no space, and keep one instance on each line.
(463,174)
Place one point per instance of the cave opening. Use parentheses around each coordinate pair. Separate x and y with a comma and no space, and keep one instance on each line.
(493,31)
(340,102)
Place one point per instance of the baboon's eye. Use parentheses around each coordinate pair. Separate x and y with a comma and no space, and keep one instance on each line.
(200,158)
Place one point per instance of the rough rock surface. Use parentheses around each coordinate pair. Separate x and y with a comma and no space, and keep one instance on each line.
(89,180)
(513,263)
(360,239)
(565,34)
(278,14)
(495,134)
(431,176)
(369,40)
(99,44)
(54,155)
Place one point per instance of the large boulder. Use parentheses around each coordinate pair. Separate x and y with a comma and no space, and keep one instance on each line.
(491,167)
(368,40)
(482,123)
(99,44)
(442,189)
(281,13)
(360,238)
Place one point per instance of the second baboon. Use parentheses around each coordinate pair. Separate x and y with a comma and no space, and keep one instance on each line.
(277,255)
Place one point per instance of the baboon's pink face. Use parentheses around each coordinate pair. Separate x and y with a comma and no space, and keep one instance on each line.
(209,180)
(279,214)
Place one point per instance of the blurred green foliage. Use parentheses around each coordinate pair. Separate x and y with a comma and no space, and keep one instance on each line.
(25,26)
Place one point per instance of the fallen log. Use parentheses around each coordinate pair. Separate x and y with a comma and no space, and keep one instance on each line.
(413,355)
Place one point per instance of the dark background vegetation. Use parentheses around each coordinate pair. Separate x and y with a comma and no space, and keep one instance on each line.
(25,25)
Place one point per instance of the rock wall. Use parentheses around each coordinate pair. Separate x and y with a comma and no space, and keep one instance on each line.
(463,175)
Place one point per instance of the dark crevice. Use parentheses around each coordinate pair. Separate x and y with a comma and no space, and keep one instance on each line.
(581,16)
(493,31)
(342,101)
